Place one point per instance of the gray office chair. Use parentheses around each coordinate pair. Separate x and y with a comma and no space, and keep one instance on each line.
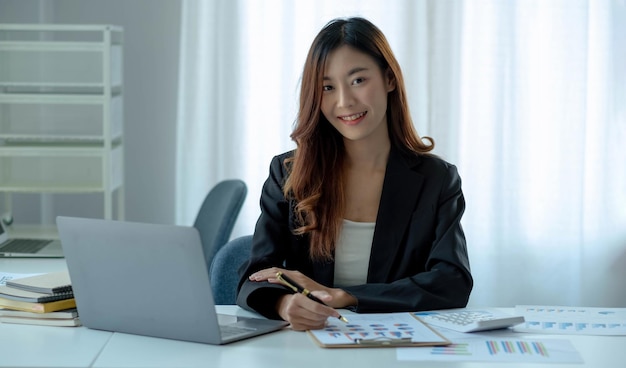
(217,215)
(224,269)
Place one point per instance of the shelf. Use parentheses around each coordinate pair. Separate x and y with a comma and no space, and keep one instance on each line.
(59,27)
(48,99)
(56,139)
(47,46)
(61,112)
(58,150)
(50,63)
(59,189)
(51,118)
(60,169)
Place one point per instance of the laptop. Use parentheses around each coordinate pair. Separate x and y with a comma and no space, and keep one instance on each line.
(24,248)
(147,279)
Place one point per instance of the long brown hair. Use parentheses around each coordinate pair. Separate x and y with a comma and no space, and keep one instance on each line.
(315,179)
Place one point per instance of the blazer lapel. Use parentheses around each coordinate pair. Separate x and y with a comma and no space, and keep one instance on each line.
(401,190)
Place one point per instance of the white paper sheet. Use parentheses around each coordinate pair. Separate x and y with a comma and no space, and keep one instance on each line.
(496,350)
(572,320)
(7,276)
(376,325)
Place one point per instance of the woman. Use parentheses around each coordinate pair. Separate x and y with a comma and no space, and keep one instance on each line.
(360,212)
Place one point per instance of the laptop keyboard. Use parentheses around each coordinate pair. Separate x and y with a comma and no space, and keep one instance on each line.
(24,245)
(230,330)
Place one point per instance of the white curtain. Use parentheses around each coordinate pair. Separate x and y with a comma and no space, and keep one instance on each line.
(527,98)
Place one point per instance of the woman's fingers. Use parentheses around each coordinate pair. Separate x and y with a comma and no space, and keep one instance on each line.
(322,295)
(267,274)
(303,313)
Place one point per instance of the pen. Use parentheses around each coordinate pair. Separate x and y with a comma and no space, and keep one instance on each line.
(285,280)
(385,341)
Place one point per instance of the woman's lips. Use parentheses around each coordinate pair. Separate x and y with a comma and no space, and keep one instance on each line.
(353,119)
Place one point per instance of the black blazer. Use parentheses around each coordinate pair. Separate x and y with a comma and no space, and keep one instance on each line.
(419,257)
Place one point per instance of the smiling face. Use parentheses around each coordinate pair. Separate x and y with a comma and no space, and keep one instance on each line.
(354,100)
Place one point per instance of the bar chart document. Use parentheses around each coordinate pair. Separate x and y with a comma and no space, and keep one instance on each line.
(572,320)
(546,351)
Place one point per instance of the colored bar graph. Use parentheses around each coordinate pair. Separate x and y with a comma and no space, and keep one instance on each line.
(454,349)
(523,347)
(509,347)
(493,347)
(497,350)
(540,349)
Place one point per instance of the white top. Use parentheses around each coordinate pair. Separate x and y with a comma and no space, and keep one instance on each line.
(352,253)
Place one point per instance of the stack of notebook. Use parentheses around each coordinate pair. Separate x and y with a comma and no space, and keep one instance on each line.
(43,300)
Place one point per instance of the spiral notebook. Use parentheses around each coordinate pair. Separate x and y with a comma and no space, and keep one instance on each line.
(48,283)
(44,288)
(33,297)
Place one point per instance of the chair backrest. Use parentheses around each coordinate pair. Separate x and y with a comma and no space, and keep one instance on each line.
(217,215)
(223,272)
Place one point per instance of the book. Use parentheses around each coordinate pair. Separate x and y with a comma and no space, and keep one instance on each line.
(62,322)
(32,297)
(38,307)
(62,314)
(48,283)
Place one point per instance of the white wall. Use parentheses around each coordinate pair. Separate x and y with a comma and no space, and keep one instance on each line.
(151,49)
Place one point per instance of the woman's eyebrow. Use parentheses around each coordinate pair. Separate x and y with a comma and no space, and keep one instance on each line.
(351,72)
(356,70)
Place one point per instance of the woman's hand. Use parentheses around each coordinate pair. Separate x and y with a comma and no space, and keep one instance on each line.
(302,312)
(338,298)
(269,275)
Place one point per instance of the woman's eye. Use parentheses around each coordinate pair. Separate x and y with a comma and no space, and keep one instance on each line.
(358,81)
(327,88)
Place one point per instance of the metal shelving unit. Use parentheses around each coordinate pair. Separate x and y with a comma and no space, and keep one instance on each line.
(61,120)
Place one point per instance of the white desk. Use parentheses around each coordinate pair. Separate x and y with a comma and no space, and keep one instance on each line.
(296,349)
(42,346)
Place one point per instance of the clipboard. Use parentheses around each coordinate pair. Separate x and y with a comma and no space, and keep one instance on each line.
(378,330)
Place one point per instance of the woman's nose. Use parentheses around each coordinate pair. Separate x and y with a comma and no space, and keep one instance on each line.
(345,97)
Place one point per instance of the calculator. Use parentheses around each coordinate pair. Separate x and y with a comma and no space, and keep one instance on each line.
(470,320)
